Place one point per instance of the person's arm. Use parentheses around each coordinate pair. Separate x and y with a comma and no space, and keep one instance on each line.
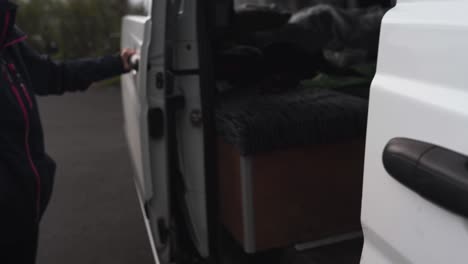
(51,77)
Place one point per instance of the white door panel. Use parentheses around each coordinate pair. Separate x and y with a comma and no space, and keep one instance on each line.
(413,226)
(420,92)
(135,104)
(141,95)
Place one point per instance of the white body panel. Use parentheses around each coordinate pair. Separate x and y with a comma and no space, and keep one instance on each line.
(137,31)
(167,41)
(192,161)
(420,92)
(190,136)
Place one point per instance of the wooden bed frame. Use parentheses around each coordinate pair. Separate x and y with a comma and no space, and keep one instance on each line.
(299,195)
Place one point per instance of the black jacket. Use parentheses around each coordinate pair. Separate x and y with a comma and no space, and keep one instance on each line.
(26,171)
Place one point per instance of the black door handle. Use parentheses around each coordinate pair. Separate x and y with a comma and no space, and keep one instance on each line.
(438,174)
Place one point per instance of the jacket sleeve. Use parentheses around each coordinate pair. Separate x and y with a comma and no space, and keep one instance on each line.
(49,77)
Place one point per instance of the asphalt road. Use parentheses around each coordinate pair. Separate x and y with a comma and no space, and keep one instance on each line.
(94,216)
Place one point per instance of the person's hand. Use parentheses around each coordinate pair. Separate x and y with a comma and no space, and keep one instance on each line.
(125,54)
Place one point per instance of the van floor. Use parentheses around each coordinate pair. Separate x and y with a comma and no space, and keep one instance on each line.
(348,252)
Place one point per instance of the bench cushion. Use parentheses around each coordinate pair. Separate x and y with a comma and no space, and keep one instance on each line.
(257,122)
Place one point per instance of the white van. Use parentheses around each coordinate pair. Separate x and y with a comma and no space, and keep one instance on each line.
(229,172)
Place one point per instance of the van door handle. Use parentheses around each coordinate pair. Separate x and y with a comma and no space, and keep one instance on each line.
(436,173)
(134,62)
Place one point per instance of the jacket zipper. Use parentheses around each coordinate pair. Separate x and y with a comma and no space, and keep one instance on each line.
(12,68)
(26,139)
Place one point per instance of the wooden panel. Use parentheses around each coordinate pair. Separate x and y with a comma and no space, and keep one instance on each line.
(301,194)
(307,194)
(230,192)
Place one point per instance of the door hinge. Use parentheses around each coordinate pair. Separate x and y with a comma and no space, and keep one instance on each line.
(160,80)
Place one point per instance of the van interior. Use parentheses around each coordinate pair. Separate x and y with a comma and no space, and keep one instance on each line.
(290,133)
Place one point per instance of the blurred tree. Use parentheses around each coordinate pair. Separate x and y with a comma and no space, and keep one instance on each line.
(79,28)
(41,28)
